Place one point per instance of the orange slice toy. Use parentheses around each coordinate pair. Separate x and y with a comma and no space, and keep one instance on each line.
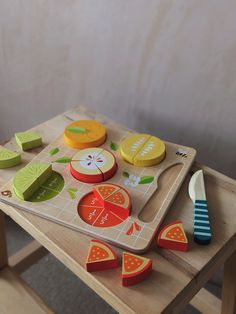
(84,134)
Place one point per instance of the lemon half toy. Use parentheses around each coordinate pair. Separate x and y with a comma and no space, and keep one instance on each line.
(143,150)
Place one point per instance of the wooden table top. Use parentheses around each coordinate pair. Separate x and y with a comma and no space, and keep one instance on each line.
(177,276)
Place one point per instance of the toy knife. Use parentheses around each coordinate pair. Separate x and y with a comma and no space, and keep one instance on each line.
(202,228)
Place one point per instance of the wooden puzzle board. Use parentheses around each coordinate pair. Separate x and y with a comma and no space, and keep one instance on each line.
(150,199)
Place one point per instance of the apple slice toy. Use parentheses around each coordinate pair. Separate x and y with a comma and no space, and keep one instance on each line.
(135,268)
(100,257)
(93,165)
(173,237)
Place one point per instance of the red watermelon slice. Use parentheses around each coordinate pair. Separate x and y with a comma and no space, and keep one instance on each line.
(100,257)
(173,237)
(114,198)
(135,268)
(103,191)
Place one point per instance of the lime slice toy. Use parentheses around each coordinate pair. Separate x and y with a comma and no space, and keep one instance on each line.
(30,178)
(28,140)
(8,158)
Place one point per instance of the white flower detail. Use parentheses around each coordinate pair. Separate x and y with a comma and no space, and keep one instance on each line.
(132,180)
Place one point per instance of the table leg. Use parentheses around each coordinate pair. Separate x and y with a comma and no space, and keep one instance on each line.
(229,286)
(3,243)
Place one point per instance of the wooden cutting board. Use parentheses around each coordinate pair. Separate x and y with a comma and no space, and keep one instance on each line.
(152,190)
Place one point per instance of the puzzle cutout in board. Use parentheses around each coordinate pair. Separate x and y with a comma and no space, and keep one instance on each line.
(58,198)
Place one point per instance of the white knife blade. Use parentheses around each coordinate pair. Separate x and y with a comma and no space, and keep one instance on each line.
(202,228)
(196,186)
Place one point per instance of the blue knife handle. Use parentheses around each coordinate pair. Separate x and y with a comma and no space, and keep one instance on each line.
(202,228)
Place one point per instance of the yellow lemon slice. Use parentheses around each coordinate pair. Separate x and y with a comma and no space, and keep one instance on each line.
(85,134)
(143,150)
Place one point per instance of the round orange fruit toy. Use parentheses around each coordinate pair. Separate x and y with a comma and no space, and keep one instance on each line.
(84,134)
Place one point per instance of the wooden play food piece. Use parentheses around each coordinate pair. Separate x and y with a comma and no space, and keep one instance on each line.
(135,268)
(93,212)
(28,179)
(8,158)
(173,237)
(93,165)
(142,150)
(114,198)
(28,140)
(100,257)
(84,134)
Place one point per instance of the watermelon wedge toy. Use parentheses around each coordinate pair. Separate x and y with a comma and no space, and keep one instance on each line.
(100,257)
(135,268)
(114,198)
(173,237)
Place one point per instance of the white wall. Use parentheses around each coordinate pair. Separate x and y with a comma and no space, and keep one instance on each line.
(165,67)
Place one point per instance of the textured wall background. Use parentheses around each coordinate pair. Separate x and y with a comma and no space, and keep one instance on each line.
(160,66)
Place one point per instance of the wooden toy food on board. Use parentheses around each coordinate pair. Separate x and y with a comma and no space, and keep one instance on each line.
(30,178)
(100,257)
(108,205)
(28,140)
(142,150)
(135,268)
(173,237)
(202,229)
(8,158)
(84,134)
(93,165)
(114,198)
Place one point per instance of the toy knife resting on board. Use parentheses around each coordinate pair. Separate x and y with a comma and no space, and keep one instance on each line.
(202,228)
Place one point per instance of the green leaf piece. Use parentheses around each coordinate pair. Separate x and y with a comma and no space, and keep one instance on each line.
(114,146)
(77,129)
(125,174)
(54,151)
(72,189)
(72,194)
(146,179)
(63,160)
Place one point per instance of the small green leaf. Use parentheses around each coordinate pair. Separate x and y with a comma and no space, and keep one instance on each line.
(54,151)
(63,160)
(146,179)
(125,174)
(76,129)
(72,189)
(72,194)
(114,146)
